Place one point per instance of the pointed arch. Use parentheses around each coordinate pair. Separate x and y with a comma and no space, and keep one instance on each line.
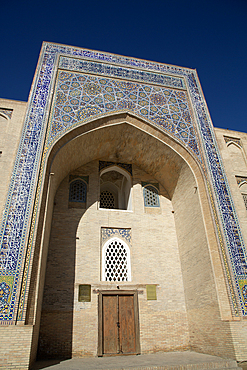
(151,196)
(125,138)
(78,191)
(116,261)
(115,188)
(236,143)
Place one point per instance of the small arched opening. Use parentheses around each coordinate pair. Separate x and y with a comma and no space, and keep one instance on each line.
(115,188)
(116,261)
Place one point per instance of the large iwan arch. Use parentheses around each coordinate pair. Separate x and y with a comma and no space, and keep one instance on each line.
(194,264)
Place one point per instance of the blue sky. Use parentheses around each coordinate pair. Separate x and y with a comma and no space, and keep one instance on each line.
(209,35)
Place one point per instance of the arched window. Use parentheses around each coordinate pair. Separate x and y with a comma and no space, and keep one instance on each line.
(115,188)
(78,191)
(151,196)
(237,155)
(243,189)
(116,261)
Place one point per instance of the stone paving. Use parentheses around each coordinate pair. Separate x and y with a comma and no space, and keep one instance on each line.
(160,361)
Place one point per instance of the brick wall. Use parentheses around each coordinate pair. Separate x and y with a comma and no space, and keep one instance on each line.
(15,344)
(208,333)
(75,258)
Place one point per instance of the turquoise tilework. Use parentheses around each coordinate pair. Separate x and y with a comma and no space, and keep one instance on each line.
(80,97)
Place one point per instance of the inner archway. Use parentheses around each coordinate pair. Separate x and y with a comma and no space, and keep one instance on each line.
(167,239)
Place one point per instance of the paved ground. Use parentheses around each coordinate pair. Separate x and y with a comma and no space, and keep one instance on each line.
(159,361)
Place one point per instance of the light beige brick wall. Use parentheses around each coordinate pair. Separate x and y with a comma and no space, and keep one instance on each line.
(239,335)
(15,344)
(208,333)
(75,241)
(74,232)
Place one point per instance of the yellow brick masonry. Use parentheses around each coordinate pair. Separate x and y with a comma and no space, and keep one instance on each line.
(15,346)
(154,260)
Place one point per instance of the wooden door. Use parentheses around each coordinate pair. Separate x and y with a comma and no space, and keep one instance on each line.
(110,324)
(119,329)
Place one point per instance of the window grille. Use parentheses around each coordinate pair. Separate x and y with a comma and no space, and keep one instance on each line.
(107,200)
(151,196)
(245,199)
(116,261)
(78,191)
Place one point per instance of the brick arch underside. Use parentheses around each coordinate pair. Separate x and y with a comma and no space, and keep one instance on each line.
(125,139)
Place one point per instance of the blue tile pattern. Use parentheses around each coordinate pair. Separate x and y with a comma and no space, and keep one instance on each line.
(6,286)
(104,69)
(108,233)
(79,97)
(19,219)
(7,112)
(241,180)
(4,297)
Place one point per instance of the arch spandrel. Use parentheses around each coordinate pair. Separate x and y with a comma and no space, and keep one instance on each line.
(19,219)
(80,97)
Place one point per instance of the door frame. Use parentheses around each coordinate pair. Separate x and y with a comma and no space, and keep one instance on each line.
(134,293)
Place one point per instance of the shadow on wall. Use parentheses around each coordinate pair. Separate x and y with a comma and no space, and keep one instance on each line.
(55,338)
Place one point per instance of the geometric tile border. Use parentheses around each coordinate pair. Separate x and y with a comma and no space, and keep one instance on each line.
(94,72)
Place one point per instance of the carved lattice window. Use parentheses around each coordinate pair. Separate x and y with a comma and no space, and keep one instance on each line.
(107,200)
(78,191)
(151,196)
(116,261)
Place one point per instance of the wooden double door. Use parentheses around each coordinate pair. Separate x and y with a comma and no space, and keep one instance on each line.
(118,323)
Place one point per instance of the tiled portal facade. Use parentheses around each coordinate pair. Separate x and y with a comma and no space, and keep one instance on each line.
(145,126)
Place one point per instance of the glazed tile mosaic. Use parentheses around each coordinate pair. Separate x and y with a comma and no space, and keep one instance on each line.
(108,233)
(79,97)
(6,285)
(91,84)
(241,179)
(126,73)
(7,112)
